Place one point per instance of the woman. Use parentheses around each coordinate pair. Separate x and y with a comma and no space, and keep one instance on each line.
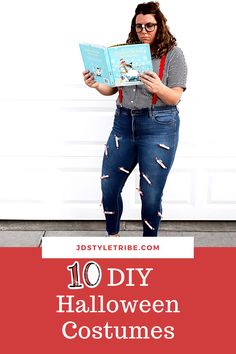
(146,123)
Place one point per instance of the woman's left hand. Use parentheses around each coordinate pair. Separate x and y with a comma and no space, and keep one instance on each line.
(152,81)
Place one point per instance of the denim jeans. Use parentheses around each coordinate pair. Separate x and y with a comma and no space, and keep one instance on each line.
(148,137)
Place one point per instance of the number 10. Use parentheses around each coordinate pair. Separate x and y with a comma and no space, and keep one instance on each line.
(91,273)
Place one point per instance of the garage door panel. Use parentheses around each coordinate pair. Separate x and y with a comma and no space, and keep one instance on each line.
(53,127)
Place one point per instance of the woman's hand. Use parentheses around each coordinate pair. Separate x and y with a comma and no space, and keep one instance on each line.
(169,95)
(89,79)
(152,81)
(102,88)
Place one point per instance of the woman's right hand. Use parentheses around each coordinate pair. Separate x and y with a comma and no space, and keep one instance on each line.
(89,79)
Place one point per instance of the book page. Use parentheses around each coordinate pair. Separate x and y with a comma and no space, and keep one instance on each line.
(128,62)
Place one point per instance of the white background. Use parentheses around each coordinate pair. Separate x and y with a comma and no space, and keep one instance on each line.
(53,127)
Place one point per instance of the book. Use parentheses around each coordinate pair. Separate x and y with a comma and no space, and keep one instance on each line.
(119,65)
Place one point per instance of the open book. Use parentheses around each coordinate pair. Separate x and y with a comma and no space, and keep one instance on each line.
(118,65)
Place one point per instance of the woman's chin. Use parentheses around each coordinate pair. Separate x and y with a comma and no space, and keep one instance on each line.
(146,41)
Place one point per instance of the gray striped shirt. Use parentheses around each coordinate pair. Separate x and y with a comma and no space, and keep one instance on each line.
(175,75)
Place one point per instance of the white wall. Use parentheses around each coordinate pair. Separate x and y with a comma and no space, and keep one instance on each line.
(50,161)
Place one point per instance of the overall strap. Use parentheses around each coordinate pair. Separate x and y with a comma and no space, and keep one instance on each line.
(161,71)
(120,95)
(154,96)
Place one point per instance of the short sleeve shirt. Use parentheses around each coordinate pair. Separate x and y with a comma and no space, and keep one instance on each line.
(175,75)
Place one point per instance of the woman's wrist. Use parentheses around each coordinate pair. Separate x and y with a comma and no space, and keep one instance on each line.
(96,86)
(160,88)
(169,95)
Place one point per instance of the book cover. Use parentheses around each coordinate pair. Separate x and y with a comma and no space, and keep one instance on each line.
(117,65)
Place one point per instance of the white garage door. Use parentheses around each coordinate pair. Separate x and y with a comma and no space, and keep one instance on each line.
(53,128)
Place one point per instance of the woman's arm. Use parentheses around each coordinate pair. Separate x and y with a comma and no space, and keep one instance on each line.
(102,88)
(170,96)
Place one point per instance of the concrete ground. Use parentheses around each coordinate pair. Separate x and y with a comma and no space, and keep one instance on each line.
(15,233)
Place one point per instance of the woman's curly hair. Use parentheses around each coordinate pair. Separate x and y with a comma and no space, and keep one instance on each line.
(164,40)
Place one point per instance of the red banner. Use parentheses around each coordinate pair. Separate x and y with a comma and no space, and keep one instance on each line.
(124,305)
